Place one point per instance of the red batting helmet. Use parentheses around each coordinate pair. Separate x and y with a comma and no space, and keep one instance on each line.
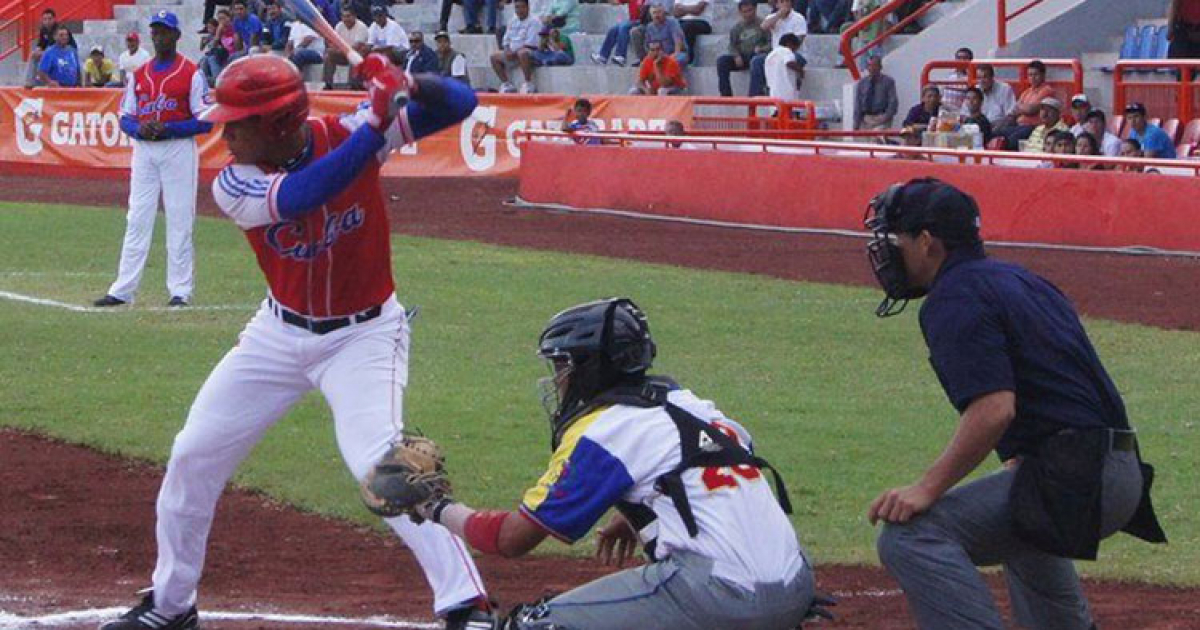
(265,86)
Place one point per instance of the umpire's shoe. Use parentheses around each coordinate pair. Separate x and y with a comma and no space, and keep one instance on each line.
(145,617)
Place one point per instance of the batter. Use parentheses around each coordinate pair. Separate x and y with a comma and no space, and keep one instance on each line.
(306,193)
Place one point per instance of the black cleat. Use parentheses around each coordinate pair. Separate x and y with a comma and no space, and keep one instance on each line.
(471,618)
(144,617)
(178,301)
(109,300)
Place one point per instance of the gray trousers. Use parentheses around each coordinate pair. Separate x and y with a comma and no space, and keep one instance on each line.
(678,593)
(934,556)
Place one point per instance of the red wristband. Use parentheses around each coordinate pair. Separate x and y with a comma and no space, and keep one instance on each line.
(482,530)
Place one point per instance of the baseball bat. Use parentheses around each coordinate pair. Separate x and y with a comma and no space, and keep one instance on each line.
(307,13)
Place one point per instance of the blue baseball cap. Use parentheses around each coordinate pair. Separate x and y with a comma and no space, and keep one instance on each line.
(165,18)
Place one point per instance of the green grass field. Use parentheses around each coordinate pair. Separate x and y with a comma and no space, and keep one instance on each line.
(843,403)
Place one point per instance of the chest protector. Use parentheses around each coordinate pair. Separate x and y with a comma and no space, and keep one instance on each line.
(702,446)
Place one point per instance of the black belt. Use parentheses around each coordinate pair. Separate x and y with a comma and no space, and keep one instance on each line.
(1123,440)
(325,325)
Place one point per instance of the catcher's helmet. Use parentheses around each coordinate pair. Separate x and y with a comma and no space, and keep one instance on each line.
(594,346)
(263,86)
(921,204)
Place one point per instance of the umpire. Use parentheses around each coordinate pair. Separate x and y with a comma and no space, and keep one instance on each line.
(1014,360)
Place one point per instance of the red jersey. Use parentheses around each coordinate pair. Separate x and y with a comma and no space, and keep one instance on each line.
(332,261)
(173,94)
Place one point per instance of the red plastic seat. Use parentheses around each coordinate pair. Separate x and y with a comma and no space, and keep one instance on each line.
(1183,151)
(1191,132)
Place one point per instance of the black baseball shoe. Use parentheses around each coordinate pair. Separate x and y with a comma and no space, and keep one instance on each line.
(472,617)
(178,301)
(145,617)
(109,300)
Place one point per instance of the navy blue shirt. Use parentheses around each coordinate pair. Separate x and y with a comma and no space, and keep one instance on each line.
(993,326)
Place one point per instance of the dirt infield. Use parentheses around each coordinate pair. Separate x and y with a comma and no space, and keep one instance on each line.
(76,529)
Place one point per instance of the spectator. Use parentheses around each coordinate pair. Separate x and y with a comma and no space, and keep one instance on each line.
(1183,29)
(554,48)
(1087,144)
(784,72)
(304,46)
(131,58)
(419,58)
(248,26)
(562,15)
(1064,144)
(924,112)
(386,36)
(974,115)
(46,39)
(1155,142)
(275,31)
(361,8)
(662,29)
(1097,125)
(828,16)
(209,7)
(784,20)
(660,73)
(1025,115)
(59,66)
(98,70)
(217,44)
(578,118)
(616,41)
(747,39)
(675,128)
(521,39)
(1131,148)
(471,15)
(861,9)
(693,16)
(1080,106)
(353,31)
(451,63)
(875,99)
(1050,115)
(952,95)
(998,97)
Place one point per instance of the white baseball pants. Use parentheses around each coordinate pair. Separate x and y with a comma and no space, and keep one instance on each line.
(361,370)
(169,168)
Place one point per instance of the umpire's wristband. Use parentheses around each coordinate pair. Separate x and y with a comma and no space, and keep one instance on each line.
(435,514)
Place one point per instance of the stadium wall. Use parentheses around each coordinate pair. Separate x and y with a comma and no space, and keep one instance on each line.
(1052,206)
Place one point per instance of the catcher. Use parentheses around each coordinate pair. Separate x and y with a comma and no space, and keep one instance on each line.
(683,478)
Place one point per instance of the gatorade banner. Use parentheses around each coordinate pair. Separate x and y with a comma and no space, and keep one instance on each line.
(79,130)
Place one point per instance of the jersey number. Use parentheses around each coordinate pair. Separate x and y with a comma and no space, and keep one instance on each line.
(715,477)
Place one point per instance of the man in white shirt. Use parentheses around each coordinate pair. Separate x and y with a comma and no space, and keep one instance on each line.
(304,46)
(1097,124)
(998,97)
(520,41)
(783,71)
(783,21)
(132,58)
(386,36)
(354,32)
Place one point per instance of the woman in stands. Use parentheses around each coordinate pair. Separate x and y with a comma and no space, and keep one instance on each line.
(1087,144)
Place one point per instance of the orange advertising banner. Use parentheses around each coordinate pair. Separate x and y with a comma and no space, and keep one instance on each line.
(79,130)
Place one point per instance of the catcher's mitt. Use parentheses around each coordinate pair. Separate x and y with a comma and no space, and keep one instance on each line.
(412,472)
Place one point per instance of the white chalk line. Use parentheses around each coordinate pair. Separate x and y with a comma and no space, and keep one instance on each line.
(77,308)
(12,621)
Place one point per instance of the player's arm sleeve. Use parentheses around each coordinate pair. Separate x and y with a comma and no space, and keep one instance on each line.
(584,480)
(438,103)
(247,195)
(196,100)
(321,180)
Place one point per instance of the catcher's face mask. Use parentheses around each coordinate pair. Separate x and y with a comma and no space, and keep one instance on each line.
(883,252)
(552,389)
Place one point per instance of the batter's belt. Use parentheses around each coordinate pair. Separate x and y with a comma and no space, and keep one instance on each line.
(322,325)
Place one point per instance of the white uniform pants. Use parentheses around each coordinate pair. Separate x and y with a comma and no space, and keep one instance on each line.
(169,168)
(361,370)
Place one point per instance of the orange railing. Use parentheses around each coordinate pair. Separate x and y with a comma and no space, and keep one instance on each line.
(1066,86)
(24,16)
(867,150)
(763,115)
(850,54)
(1153,86)
(1003,17)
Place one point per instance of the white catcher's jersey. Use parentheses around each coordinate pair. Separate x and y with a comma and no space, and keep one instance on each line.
(618,452)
